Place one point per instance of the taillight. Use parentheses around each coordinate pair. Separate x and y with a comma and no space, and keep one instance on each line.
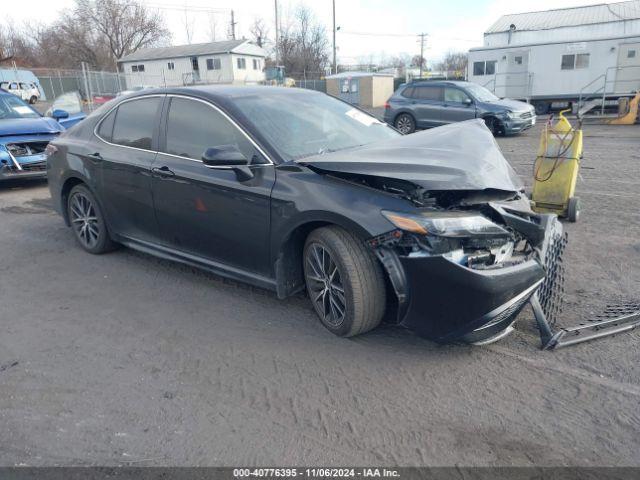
(50,150)
(387,106)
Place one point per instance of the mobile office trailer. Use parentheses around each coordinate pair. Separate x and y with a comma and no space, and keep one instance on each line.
(570,55)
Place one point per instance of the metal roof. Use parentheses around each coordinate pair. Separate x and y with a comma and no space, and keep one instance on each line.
(569,17)
(183,50)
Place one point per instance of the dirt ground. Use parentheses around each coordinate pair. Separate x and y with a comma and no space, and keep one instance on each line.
(124,359)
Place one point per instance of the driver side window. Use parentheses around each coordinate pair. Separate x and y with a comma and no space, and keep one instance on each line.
(453,95)
(194,126)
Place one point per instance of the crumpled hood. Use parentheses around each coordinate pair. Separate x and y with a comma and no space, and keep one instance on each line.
(26,126)
(507,104)
(459,156)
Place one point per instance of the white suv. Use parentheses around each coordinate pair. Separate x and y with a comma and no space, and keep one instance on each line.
(28,92)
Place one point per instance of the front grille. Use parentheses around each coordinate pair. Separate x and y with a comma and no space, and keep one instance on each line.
(34,166)
(551,291)
(508,313)
(26,149)
(526,115)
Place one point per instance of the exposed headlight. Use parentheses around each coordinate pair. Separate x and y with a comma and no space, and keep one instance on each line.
(512,115)
(444,224)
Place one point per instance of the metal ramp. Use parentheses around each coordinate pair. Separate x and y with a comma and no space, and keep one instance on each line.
(547,305)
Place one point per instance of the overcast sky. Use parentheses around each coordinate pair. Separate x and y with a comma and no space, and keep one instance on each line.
(454,25)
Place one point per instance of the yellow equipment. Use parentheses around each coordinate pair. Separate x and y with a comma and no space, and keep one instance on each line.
(556,169)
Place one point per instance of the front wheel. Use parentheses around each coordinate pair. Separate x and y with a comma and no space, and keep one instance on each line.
(493,124)
(405,123)
(344,281)
(87,221)
(33,100)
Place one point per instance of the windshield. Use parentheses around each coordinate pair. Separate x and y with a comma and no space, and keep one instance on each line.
(481,93)
(300,125)
(12,107)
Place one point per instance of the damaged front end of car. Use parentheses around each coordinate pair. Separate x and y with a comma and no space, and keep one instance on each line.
(467,253)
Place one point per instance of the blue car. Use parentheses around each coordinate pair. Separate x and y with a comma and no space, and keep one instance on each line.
(25,133)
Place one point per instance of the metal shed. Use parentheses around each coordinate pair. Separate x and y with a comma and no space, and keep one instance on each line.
(365,89)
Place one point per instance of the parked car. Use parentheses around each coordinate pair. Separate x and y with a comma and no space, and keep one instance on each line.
(28,92)
(25,133)
(290,189)
(426,104)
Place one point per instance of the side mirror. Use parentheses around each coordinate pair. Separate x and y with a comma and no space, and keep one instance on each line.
(59,114)
(467,102)
(224,155)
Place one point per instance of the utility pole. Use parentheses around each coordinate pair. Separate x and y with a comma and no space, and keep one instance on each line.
(335,66)
(277,34)
(422,40)
(233,26)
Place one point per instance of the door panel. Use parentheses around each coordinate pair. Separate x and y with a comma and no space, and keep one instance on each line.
(516,78)
(126,157)
(455,110)
(628,75)
(209,211)
(428,106)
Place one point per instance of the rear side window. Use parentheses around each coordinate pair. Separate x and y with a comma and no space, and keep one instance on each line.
(193,126)
(428,93)
(135,122)
(105,131)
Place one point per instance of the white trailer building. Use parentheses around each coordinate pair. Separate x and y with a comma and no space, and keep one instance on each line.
(231,61)
(568,55)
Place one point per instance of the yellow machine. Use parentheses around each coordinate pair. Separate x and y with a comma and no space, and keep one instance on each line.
(556,169)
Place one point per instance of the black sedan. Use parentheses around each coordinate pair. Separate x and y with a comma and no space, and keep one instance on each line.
(290,189)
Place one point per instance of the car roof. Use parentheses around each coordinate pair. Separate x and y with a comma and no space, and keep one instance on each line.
(440,83)
(226,92)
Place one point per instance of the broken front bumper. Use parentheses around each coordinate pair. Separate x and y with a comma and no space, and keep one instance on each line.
(448,302)
(34,170)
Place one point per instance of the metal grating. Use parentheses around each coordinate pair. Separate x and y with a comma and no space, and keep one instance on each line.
(551,292)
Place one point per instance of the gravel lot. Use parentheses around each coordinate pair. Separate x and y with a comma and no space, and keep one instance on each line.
(127,359)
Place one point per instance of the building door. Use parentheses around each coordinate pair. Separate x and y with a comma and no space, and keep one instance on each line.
(350,90)
(195,68)
(516,77)
(627,77)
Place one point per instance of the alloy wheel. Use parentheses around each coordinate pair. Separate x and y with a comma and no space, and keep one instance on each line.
(325,285)
(404,124)
(84,220)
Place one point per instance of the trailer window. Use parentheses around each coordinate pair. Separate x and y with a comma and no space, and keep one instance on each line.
(631,54)
(569,62)
(484,68)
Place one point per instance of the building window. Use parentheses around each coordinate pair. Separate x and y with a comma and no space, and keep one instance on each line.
(213,64)
(242,63)
(573,61)
(631,54)
(484,68)
(517,60)
(137,68)
(171,66)
(256,64)
(194,64)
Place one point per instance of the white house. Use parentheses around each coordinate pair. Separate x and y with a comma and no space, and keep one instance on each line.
(561,55)
(230,61)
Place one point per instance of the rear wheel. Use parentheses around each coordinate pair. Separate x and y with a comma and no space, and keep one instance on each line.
(573,209)
(344,282)
(87,221)
(542,108)
(405,123)
(33,99)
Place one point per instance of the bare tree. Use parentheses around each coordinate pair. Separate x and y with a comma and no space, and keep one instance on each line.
(126,25)
(454,64)
(259,32)
(303,45)
(188,26)
(213,27)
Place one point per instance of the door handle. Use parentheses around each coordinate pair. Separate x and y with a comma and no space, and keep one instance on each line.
(163,171)
(95,156)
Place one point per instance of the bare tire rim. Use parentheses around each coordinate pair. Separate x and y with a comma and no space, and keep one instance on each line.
(491,124)
(404,124)
(325,285)
(84,220)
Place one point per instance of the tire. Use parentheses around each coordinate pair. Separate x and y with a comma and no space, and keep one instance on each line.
(573,209)
(405,123)
(493,124)
(542,108)
(87,221)
(33,100)
(341,272)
